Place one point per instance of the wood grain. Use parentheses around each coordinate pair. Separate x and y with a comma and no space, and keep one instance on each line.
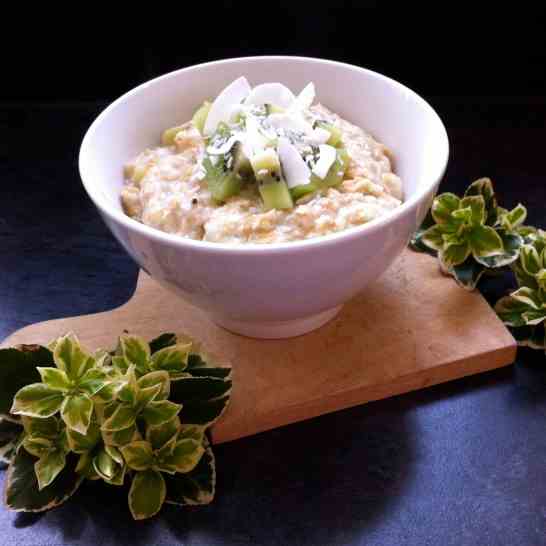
(411,329)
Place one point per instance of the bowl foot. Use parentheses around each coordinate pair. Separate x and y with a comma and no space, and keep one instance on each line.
(277,329)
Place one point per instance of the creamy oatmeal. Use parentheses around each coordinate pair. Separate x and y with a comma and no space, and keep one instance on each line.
(261,165)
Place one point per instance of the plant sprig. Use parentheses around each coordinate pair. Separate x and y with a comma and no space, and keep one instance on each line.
(473,236)
(137,415)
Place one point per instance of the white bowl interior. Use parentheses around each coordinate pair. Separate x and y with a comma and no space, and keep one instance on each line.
(388,110)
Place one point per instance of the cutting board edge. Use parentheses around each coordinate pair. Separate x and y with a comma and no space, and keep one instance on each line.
(480,363)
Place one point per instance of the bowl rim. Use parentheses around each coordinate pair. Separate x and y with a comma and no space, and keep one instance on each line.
(351,233)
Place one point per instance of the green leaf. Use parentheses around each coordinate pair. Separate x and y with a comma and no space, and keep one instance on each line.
(185,456)
(172,359)
(102,358)
(464,215)
(522,277)
(510,311)
(484,187)
(193,432)
(534,317)
(55,378)
(37,400)
(514,218)
(37,445)
(45,427)
(156,413)
(121,437)
(123,417)
(159,435)
(541,279)
(22,492)
(49,466)
(18,367)
(138,455)
(120,363)
(476,204)
(114,383)
(198,389)
(80,443)
(433,237)
(76,412)
(204,412)
(196,487)
(119,476)
(157,378)
(136,351)
(129,392)
(85,466)
(147,395)
(70,357)
(530,259)
(443,206)
(147,494)
(164,340)
(511,243)
(454,254)
(93,381)
(105,466)
(484,242)
(527,233)
(115,454)
(528,296)
(162,456)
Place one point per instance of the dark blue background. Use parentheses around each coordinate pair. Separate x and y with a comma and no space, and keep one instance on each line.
(458,464)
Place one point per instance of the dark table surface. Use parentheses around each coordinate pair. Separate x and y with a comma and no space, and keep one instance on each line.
(461,463)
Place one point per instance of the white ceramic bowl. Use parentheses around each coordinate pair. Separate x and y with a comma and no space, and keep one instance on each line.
(269,290)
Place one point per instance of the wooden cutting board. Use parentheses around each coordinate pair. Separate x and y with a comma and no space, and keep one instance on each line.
(411,329)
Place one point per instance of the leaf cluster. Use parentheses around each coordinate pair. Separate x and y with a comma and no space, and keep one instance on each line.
(134,416)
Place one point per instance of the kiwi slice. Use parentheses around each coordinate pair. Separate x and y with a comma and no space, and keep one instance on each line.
(297,192)
(221,181)
(336,172)
(275,195)
(272,187)
(241,164)
(200,116)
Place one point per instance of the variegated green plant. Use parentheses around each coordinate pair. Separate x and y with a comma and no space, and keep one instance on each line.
(524,310)
(471,235)
(138,415)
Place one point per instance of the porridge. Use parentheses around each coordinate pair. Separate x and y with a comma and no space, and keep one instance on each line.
(260,165)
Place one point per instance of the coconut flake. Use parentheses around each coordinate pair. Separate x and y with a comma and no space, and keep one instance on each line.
(290,122)
(253,140)
(224,103)
(305,99)
(296,172)
(318,136)
(271,93)
(327,156)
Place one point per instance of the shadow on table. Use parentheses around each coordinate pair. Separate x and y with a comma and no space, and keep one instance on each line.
(312,482)
(317,482)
